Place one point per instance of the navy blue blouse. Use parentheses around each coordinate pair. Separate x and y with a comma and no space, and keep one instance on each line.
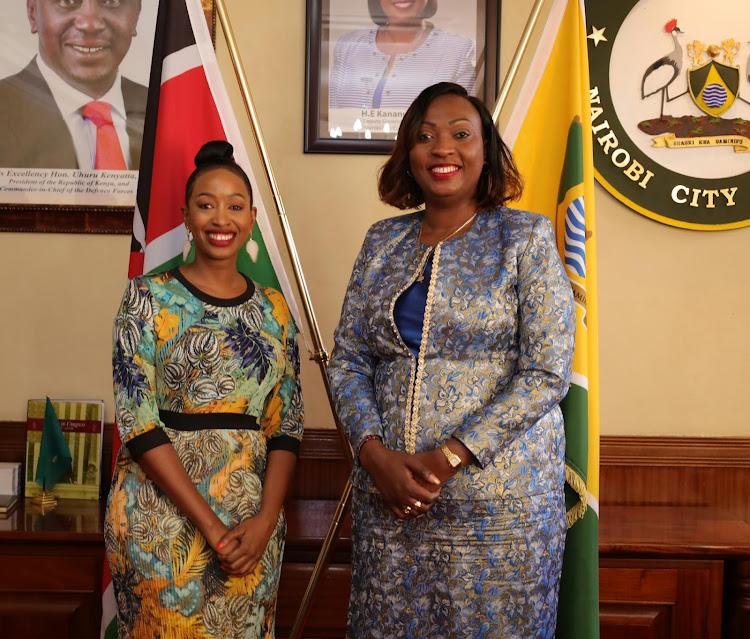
(408,311)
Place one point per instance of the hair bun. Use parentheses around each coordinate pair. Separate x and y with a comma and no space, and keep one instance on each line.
(215,152)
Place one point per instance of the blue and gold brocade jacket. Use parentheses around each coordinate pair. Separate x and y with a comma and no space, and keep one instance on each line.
(494,362)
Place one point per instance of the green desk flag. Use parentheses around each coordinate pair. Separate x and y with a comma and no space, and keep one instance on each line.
(54,454)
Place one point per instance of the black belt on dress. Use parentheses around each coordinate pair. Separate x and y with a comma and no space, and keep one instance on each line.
(203,421)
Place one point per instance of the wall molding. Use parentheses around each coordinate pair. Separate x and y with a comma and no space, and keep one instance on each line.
(321,443)
(615,450)
(697,452)
(676,471)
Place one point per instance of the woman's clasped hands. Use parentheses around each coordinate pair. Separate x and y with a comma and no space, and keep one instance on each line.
(408,484)
(241,548)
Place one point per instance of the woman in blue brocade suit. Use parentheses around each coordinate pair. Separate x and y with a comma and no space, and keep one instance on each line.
(453,351)
(209,408)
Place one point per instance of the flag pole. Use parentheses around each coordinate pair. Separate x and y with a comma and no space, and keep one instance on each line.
(515,64)
(320,355)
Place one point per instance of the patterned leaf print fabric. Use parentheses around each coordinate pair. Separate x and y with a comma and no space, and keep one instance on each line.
(176,349)
(173,351)
(485,561)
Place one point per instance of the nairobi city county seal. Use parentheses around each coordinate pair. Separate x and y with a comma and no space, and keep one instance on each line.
(670,108)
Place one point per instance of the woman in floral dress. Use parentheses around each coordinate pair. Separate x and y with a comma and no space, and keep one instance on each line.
(209,409)
(453,351)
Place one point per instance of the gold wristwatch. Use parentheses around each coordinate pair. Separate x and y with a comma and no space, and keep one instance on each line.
(453,459)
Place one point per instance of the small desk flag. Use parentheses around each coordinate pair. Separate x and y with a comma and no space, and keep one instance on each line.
(54,454)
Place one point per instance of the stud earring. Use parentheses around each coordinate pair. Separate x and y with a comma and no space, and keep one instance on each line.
(186,246)
(252,248)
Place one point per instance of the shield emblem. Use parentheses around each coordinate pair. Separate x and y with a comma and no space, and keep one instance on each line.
(714,87)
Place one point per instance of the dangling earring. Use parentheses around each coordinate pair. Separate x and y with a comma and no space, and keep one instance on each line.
(186,246)
(252,247)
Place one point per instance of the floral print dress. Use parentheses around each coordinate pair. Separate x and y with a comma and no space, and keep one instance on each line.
(219,380)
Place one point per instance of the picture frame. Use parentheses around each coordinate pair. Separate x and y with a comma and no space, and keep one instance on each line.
(70,200)
(350,104)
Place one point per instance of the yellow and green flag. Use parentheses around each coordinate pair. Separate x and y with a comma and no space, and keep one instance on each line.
(549,131)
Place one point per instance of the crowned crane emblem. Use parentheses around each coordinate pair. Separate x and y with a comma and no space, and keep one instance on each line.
(662,73)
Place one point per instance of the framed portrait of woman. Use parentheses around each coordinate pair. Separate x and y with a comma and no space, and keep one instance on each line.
(368,59)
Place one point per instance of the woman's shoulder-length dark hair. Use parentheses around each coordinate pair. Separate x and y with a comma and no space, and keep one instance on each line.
(378,15)
(499,182)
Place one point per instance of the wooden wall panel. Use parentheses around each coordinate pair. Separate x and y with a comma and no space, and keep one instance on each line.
(63,616)
(322,470)
(677,471)
(665,471)
(327,613)
(736,616)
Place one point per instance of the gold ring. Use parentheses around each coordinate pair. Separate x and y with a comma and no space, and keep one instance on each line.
(407,510)
(417,504)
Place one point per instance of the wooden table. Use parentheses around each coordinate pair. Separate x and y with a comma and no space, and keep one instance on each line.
(51,571)
(673,572)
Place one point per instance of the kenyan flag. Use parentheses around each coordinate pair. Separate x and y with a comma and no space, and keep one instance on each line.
(187,106)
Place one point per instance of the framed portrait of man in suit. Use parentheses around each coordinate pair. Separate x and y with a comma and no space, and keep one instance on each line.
(73,90)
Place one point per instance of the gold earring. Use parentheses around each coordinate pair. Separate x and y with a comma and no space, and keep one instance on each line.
(187,244)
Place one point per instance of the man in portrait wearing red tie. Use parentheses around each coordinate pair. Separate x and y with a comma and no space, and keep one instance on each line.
(70,107)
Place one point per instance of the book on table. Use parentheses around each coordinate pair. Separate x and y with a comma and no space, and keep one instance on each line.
(7,502)
(82,424)
(9,512)
(10,478)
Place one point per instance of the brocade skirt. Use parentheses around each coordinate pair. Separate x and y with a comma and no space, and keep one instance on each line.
(486,569)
